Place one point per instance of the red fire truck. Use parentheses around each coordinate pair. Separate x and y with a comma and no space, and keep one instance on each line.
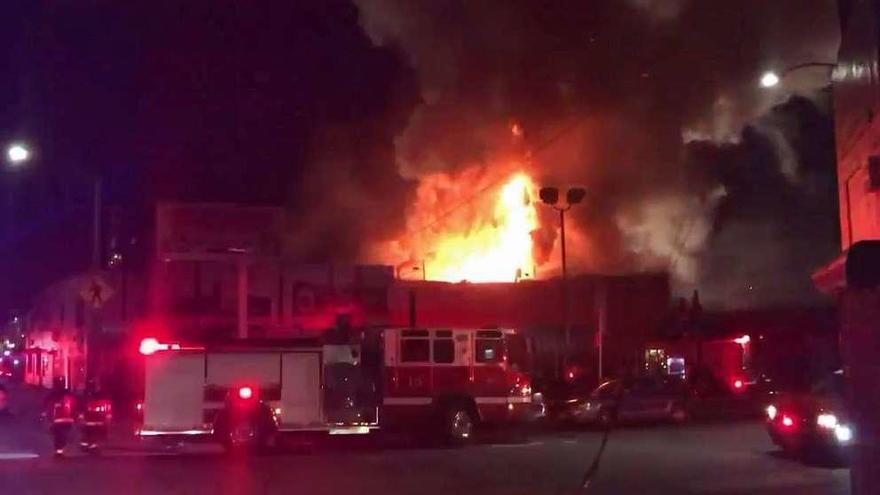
(458,378)
(244,393)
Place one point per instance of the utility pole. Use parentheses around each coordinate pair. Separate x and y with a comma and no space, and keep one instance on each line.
(96,225)
(601,303)
(242,310)
(17,155)
(93,326)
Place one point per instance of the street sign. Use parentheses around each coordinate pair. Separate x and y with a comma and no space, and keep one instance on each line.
(96,291)
(212,228)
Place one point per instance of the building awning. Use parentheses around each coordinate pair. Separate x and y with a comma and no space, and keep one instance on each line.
(831,278)
(858,267)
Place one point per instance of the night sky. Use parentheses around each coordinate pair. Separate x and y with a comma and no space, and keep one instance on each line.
(317,106)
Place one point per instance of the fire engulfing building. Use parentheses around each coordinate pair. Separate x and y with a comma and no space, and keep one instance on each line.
(221,271)
(241,283)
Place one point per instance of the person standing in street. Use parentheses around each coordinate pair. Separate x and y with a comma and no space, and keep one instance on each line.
(61,408)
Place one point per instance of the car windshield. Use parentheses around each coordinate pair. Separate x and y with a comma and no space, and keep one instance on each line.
(347,232)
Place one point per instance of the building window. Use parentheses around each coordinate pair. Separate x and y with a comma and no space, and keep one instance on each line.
(414,350)
(489,350)
(444,351)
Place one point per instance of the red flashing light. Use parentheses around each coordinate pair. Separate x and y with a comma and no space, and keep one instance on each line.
(150,346)
(738,384)
(245,393)
(139,406)
(787,421)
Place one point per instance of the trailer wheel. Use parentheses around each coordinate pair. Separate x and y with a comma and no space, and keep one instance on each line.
(459,424)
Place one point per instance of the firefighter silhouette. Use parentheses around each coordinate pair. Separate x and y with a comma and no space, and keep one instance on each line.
(61,410)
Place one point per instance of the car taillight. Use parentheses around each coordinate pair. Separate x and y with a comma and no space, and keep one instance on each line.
(245,393)
(738,384)
(787,421)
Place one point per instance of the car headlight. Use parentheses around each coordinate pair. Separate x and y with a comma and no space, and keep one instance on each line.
(843,433)
(827,420)
(771,412)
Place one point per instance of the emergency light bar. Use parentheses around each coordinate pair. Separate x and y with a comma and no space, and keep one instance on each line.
(151,346)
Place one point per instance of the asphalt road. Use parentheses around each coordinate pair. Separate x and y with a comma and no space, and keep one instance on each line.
(707,458)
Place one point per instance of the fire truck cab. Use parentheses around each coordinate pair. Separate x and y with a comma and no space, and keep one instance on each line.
(456,378)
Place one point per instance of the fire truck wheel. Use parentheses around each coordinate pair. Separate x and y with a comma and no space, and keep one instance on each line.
(257,435)
(459,424)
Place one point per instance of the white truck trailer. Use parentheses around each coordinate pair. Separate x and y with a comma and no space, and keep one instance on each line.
(246,393)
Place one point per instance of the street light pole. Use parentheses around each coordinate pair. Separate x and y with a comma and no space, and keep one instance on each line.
(17,154)
(565,305)
(550,196)
(96,225)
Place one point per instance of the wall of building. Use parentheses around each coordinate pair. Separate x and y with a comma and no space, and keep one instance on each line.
(856,83)
(199,296)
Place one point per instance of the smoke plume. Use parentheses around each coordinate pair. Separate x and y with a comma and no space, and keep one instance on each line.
(650,104)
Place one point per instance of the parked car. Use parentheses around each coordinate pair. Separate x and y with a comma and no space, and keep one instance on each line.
(815,422)
(630,400)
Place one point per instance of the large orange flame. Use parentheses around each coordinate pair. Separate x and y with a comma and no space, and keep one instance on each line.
(487,238)
(498,252)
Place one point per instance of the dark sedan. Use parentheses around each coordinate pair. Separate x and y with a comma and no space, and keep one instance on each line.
(812,422)
(641,399)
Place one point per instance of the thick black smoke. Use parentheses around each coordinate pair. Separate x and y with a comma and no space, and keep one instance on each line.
(651,104)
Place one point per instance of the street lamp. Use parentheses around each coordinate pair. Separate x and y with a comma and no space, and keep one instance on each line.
(550,196)
(771,79)
(17,153)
